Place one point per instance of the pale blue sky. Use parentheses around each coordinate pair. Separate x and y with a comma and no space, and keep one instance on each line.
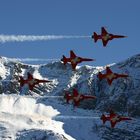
(71,17)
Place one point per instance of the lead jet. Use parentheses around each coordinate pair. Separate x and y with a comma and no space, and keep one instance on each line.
(31,81)
(74,60)
(110,76)
(113,118)
(105,36)
(77,97)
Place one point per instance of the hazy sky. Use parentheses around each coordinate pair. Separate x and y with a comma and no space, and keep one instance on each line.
(71,17)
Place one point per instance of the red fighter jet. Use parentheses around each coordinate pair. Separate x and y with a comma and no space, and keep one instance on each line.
(105,36)
(31,81)
(77,97)
(113,118)
(74,60)
(110,76)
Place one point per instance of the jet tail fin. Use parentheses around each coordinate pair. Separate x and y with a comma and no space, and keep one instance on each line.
(64,59)
(103,118)
(67,97)
(95,36)
(21,81)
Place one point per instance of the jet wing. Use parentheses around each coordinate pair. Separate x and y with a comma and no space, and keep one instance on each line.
(105,42)
(31,87)
(108,70)
(72,54)
(76,103)
(29,76)
(112,113)
(113,123)
(73,66)
(75,92)
(104,32)
(110,81)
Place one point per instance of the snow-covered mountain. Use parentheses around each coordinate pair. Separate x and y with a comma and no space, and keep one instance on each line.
(37,116)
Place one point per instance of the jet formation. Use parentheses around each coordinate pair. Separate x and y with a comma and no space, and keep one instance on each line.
(74,60)
(113,118)
(105,36)
(75,97)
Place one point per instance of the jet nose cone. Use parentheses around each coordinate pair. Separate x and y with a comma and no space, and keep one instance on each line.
(122,36)
(93,60)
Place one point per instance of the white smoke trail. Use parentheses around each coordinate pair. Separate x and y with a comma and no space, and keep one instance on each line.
(22,38)
(75,117)
(54,96)
(32,59)
(9,80)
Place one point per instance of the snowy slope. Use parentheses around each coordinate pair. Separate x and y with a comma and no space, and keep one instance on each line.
(34,115)
(19,113)
(22,116)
